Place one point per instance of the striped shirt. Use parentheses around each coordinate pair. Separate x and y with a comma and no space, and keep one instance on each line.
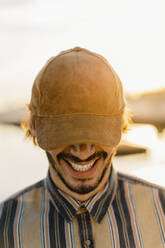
(128,213)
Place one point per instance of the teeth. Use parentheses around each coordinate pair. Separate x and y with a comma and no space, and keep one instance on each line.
(81,167)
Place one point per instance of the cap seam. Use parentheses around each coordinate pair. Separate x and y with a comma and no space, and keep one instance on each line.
(65,115)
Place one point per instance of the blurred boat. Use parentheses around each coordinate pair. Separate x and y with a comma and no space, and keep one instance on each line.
(13,117)
(126,148)
(148,107)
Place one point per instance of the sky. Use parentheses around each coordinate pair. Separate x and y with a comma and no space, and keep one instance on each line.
(129,33)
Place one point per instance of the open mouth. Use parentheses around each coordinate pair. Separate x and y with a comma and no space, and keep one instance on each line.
(80,167)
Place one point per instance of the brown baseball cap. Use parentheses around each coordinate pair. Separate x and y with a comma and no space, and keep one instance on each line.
(77,98)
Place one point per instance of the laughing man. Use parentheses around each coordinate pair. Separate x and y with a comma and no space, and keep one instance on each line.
(77,116)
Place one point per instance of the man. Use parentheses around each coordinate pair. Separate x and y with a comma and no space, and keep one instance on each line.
(77,115)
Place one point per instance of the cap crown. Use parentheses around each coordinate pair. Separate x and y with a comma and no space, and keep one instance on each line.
(77,81)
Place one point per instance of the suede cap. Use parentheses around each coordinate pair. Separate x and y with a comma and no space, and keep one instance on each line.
(77,98)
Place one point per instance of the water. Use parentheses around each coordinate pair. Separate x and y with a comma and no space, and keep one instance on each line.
(151,165)
(23,164)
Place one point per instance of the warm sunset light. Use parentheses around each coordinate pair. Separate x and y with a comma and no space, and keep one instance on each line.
(129,34)
(82,123)
(33,31)
(145,135)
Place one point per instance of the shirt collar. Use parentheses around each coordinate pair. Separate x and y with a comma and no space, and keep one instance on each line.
(97,205)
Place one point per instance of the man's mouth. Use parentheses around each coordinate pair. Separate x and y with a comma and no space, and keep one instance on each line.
(79,167)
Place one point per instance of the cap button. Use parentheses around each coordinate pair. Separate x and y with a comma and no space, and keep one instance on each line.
(77,49)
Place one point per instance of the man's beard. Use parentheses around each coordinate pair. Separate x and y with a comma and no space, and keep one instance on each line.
(80,188)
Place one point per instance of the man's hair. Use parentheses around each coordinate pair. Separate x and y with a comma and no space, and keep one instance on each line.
(28,123)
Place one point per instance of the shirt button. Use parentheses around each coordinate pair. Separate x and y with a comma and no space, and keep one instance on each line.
(87,243)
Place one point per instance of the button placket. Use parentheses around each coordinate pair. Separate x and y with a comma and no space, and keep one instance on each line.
(85,230)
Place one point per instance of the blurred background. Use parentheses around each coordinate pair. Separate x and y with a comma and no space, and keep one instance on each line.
(129,33)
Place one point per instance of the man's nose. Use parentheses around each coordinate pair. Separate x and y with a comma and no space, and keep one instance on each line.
(82,151)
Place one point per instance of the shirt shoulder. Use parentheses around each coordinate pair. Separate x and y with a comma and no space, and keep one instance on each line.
(21,207)
(29,193)
(141,185)
(145,195)
(138,181)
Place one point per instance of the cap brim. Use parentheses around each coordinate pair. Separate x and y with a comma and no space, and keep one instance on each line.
(54,132)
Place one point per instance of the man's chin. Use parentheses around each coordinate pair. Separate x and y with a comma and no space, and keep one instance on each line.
(82,189)
(82,185)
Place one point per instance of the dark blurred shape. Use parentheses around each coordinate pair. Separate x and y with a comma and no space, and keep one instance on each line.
(126,148)
(148,107)
(13,117)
